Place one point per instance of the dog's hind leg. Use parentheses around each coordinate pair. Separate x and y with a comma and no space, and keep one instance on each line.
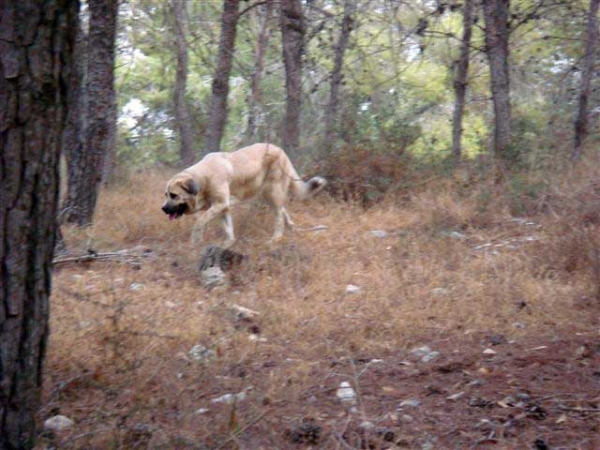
(227,224)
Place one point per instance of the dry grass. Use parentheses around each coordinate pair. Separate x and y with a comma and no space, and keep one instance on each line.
(455,264)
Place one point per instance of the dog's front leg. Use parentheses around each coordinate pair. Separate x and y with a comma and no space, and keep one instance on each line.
(216,210)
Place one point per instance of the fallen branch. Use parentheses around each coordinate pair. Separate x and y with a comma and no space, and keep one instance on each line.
(122,256)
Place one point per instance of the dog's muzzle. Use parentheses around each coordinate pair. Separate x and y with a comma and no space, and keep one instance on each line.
(174,211)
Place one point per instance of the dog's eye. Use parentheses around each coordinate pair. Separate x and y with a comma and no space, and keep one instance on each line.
(173,196)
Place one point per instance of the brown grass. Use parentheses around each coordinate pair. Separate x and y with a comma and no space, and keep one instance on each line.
(455,264)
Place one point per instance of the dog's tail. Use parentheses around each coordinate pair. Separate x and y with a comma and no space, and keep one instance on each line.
(303,189)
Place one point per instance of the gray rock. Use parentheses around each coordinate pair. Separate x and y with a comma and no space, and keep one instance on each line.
(413,403)
(346,394)
(430,357)
(201,354)
(421,351)
(379,233)
(456,396)
(213,277)
(58,423)
(352,289)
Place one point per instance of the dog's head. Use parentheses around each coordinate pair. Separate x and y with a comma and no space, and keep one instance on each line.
(181,196)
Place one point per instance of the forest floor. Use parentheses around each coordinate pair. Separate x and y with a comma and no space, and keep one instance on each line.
(455,322)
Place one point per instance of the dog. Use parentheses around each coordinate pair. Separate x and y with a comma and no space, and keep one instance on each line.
(222,179)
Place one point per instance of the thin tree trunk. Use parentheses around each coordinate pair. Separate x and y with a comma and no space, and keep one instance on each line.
(581,122)
(292,36)
(460,82)
(255,97)
(220,85)
(101,114)
(336,73)
(36,45)
(496,39)
(182,115)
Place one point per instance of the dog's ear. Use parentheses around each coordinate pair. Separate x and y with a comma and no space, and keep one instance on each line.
(190,186)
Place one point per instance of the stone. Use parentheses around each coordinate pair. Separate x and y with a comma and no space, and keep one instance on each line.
(352,289)
(201,354)
(413,403)
(213,277)
(345,393)
(430,357)
(58,423)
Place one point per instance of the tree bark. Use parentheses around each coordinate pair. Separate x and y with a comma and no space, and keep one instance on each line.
(336,73)
(220,84)
(496,14)
(589,61)
(36,45)
(460,81)
(73,138)
(255,97)
(101,116)
(182,115)
(292,36)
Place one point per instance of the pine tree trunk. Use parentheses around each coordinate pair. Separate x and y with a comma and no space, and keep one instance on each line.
(460,81)
(73,139)
(220,84)
(100,133)
(187,156)
(336,73)
(589,62)
(36,46)
(292,35)
(496,40)
(255,96)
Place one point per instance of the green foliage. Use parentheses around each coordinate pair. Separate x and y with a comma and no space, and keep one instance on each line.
(397,91)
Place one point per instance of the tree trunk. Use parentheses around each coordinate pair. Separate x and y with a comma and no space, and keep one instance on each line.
(292,36)
(73,139)
(101,117)
(496,40)
(220,84)
(182,115)
(36,45)
(581,122)
(255,97)
(336,73)
(460,82)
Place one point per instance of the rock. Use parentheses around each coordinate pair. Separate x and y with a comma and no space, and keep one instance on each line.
(489,351)
(58,423)
(456,396)
(243,313)
(346,394)
(413,403)
(379,233)
(421,351)
(367,425)
(136,286)
(352,289)
(212,277)
(200,411)
(497,339)
(230,399)
(215,256)
(201,354)
(430,357)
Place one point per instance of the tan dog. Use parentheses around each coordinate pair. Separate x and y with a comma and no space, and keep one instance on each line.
(221,179)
